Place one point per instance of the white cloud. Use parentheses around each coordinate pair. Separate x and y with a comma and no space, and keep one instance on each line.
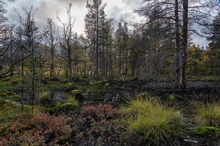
(116,9)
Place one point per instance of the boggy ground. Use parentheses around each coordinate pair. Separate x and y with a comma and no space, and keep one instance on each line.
(199,91)
(97,121)
(204,91)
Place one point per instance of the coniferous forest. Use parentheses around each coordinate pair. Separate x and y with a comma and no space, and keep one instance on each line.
(120,83)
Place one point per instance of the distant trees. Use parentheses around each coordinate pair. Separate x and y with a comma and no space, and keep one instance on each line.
(122,47)
(98,30)
(196,60)
(157,49)
(214,45)
(179,14)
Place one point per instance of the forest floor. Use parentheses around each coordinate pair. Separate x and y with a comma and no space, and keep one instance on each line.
(202,92)
(105,129)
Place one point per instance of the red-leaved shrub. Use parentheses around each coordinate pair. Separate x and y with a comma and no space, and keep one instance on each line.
(96,125)
(41,129)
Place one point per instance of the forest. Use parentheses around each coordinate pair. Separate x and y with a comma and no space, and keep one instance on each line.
(123,84)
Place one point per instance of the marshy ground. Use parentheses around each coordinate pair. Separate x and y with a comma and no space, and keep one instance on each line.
(90,112)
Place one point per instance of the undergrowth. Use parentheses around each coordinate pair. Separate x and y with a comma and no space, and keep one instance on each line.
(153,121)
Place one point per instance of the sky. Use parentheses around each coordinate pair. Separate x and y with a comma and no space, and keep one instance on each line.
(116,9)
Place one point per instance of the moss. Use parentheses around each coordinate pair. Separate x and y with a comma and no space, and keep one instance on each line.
(171,97)
(203,78)
(73,101)
(204,130)
(15,97)
(47,102)
(5,94)
(106,85)
(44,95)
(76,92)
(69,105)
(61,107)
(14,81)
(69,84)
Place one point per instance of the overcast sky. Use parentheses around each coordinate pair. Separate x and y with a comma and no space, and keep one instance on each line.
(116,9)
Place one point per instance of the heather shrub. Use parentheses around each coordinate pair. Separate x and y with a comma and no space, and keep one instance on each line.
(39,129)
(101,124)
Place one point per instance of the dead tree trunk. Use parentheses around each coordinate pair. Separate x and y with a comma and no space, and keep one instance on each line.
(184,45)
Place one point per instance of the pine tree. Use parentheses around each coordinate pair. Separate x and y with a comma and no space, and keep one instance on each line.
(93,27)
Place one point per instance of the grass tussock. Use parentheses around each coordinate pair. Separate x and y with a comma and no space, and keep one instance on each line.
(152,120)
(208,115)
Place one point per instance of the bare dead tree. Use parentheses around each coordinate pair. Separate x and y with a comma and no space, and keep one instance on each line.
(182,14)
(30,34)
(67,38)
(51,36)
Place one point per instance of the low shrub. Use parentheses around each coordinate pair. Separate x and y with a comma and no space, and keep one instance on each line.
(101,124)
(155,123)
(40,129)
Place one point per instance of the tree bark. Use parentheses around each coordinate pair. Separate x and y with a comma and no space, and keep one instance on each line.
(177,54)
(184,45)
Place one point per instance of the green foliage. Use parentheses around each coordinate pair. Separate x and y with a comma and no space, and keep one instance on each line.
(153,121)
(15,97)
(73,101)
(204,130)
(58,104)
(69,105)
(8,95)
(94,82)
(172,98)
(203,78)
(208,114)
(106,85)
(54,86)
(45,100)
(96,88)
(43,95)
(76,92)
(69,84)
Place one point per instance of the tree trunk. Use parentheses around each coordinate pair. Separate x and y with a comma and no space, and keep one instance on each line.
(177,37)
(22,81)
(33,60)
(184,45)
(52,64)
(69,63)
(97,44)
